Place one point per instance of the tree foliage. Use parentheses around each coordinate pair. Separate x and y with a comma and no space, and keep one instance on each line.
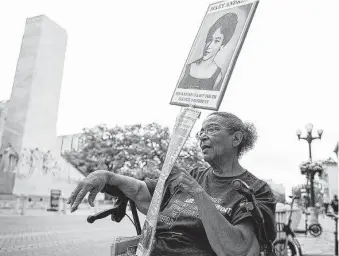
(133,150)
(303,191)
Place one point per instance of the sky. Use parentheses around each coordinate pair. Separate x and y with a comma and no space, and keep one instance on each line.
(124,59)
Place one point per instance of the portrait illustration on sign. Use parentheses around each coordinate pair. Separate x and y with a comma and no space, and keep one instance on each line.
(209,65)
(204,73)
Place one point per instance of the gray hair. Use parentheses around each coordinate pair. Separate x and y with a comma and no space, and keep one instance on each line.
(234,124)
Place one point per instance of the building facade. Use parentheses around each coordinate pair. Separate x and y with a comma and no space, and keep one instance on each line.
(3,114)
(330,177)
(279,190)
(68,143)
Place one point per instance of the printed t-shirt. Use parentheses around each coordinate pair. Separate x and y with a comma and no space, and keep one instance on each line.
(179,229)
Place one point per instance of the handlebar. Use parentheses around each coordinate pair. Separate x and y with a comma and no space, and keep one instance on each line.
(100,215)
(248,192)
(332,215)
(293,197)
(118,212)
(243,188)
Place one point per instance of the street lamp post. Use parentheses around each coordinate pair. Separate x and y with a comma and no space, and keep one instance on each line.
(310,174)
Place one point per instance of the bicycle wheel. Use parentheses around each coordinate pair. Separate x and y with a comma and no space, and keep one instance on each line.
(315,230)
(279,248)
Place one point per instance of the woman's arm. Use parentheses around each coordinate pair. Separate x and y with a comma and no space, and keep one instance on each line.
(102,180)
(224,238)
(133,188)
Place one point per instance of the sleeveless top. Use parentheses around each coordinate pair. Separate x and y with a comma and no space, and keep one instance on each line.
(190,82)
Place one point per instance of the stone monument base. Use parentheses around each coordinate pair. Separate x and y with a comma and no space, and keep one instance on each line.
(7,180)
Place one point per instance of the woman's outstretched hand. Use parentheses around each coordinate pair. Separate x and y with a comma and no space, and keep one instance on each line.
(93,183)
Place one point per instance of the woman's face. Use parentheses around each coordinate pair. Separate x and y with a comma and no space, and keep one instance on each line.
(213,45)
(219,142)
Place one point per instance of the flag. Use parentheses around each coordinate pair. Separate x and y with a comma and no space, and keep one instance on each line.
(336,149)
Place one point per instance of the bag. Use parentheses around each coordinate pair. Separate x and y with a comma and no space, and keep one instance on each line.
(125,246)
(266,249)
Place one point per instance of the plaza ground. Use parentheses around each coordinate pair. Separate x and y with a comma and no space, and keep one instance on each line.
(68,235)
(59,235)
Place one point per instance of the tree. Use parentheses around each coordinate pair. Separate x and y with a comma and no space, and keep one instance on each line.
(310,169)
(279,197)
(303,191)
(133,150)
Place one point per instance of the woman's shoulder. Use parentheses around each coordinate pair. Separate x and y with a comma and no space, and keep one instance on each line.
(257,184)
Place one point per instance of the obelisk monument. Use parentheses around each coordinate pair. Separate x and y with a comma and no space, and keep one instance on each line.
(33,107)
(31,112)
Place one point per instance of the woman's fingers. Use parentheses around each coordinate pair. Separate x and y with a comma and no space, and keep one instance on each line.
(93,183)
(80,197)
(177,180)
(74,194)
(92,196)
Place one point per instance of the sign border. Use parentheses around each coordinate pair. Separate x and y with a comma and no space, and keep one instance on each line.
(233,59)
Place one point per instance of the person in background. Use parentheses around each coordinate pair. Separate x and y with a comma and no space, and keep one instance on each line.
(334,204)
(326,202)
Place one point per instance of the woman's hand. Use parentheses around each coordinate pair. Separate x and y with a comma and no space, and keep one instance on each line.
(180,179)
(93,183)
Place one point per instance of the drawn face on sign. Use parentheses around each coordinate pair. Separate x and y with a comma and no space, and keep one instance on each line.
(219,35)
(213,45)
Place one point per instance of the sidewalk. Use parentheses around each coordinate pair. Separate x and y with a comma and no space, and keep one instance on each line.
(311,246)
(83,209)
(323,245)
(65,235)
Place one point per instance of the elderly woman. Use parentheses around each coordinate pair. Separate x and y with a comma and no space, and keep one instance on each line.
(200,213)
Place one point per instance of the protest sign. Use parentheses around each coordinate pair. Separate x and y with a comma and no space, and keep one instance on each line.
(208,68)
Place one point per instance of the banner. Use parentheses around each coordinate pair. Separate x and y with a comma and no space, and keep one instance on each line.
(182,129)
(55,198)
